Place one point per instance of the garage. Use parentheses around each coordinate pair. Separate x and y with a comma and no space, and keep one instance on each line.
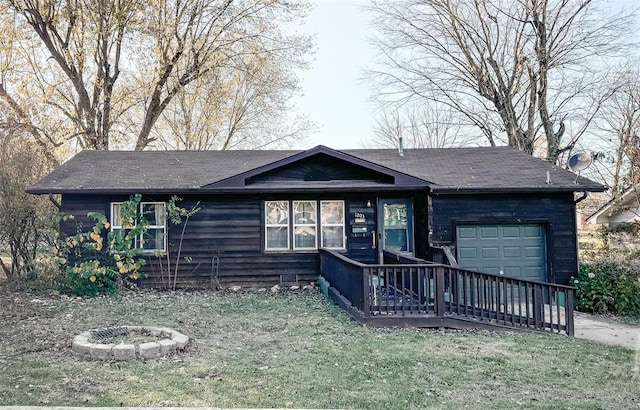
(516,251)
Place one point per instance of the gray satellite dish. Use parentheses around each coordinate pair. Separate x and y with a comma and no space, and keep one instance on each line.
(579,162)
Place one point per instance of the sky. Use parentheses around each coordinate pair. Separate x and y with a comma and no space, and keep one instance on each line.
(333,97)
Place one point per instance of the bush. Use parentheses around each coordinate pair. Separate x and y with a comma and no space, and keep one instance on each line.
(608,287)
(89,265)
(73,284)
(26,221)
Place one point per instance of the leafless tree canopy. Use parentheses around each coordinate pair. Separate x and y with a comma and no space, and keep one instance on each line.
(528,70)
(24,218)
(101,74)
(419,127)
(616,134)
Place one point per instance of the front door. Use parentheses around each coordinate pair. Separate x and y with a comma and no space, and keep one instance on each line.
(395,222)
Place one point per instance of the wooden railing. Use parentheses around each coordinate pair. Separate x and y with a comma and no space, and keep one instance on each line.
(346,276)
(417,288)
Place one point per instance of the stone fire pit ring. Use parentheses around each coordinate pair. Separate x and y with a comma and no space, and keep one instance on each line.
(84,346)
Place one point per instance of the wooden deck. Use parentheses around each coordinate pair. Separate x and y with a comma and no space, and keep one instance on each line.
(412,292)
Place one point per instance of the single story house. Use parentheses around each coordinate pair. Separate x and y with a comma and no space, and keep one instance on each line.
(265,214)
(625,208)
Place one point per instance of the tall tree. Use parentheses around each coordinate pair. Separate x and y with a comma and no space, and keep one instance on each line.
(244,107)
(526,69)
(25,220)
(419,127)
(101,73)
(616,136)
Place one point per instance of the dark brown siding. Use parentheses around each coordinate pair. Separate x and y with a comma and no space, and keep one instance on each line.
(360,244)
(79,206)
(421,226)
(555,212)
(224,241)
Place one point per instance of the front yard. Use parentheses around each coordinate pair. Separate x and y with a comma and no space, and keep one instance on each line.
(295,349)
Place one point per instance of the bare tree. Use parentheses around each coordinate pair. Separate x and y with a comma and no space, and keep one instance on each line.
(24,218)
(104,71)
(616,134)
(244,107)
(419,127)
(528,69)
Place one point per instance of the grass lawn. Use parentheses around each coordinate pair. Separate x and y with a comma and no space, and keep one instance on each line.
(296,349)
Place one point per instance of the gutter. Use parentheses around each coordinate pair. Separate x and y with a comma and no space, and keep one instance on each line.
(513,190)
(227,191)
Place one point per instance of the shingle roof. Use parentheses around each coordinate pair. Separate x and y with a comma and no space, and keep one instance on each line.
(483,169)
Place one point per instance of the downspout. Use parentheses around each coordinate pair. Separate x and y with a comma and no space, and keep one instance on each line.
(576,202)
(55,202)
(582,198)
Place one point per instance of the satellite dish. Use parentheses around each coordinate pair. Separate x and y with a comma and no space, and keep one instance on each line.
(579,162)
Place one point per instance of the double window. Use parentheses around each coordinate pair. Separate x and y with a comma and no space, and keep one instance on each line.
(154,213)
(304,225)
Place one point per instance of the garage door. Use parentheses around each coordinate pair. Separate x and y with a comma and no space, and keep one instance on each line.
(516,251)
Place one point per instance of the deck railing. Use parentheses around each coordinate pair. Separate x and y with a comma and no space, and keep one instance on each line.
(416,288)
(346,276)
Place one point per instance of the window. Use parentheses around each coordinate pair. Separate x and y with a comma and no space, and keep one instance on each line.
(277,224)
(154,214)
(332,221)
(117,224)
(304,224)
(300,231)
(154,239)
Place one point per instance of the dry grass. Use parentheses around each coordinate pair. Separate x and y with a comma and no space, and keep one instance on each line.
(7,262)
(296,350)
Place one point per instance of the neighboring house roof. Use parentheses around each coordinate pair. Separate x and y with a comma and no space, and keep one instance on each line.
(463,170)
(625,208)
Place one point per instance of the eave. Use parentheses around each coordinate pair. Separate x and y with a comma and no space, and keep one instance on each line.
(252,190)
(513,190)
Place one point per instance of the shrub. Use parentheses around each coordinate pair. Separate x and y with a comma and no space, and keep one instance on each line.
(91,266)
(72,283)
(608,286)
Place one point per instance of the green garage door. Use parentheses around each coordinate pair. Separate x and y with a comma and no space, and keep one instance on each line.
(516,251)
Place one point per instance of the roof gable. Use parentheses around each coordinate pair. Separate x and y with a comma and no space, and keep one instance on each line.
(317,167)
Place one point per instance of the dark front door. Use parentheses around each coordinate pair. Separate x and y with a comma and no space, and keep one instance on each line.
(395,225)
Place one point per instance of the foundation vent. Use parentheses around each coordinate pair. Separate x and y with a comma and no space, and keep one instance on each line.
(289,278)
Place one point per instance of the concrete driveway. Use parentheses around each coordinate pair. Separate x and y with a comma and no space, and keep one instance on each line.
(606,330)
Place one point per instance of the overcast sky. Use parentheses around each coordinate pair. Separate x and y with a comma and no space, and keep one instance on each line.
(333,96)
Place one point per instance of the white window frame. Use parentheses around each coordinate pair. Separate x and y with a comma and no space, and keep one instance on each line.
(314,225)
(322,225)
(116,215)
(163,227)
(286,225)
(138,241)
(291,225)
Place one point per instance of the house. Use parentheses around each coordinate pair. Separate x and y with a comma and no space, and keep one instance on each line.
(625,208)
(265,214)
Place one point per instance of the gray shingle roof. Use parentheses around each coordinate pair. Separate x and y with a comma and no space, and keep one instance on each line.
(483,169)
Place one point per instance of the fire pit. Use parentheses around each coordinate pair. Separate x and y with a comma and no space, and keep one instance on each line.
(128,343)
